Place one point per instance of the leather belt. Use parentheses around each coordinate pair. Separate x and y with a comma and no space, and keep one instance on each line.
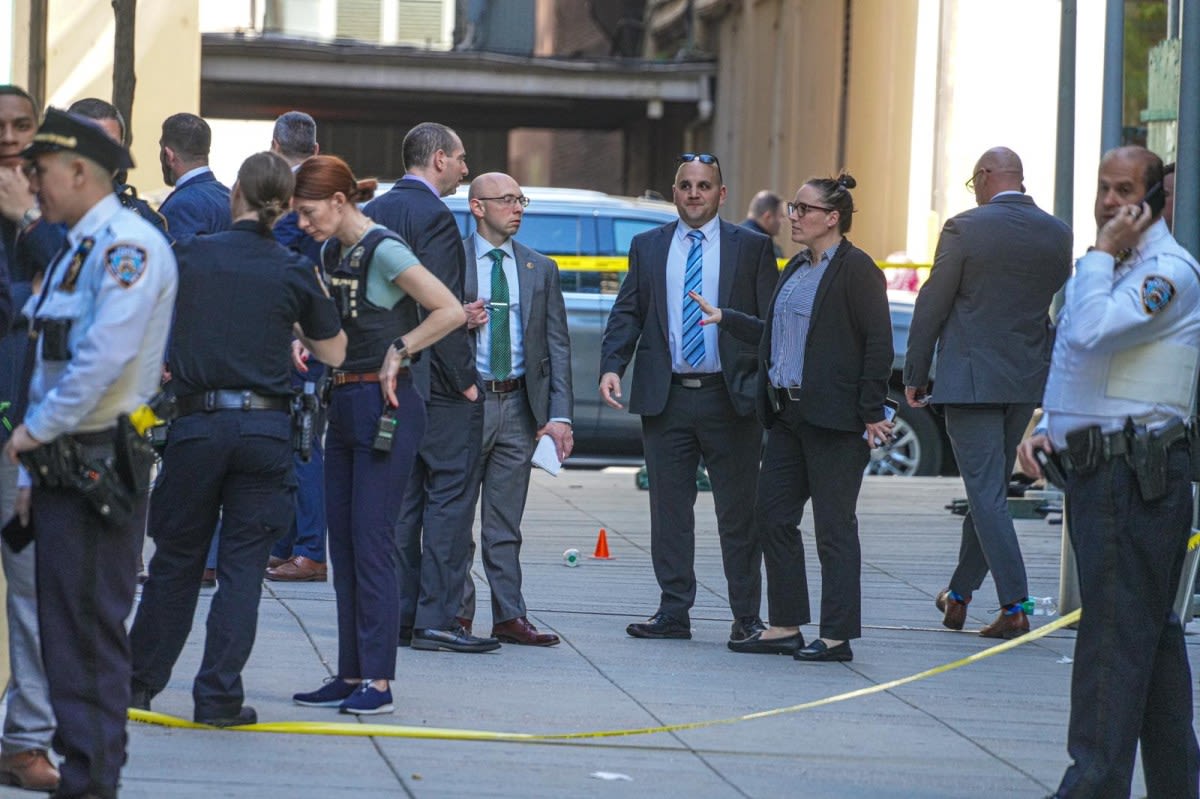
(230,400)
(504,386)
(1117,444)
(346,378)
(96,439)
(697,380)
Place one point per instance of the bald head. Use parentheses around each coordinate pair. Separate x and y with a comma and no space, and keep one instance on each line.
(495,200)
(999,169)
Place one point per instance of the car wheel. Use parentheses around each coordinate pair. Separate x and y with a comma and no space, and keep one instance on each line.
(916,446)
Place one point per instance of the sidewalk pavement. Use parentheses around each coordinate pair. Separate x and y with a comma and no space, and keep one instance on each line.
(995,728)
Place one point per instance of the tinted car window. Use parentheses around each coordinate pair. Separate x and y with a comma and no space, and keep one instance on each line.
(625,229)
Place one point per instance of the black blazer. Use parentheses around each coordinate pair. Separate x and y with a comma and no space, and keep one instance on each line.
(426,224)
(848,354)
(639,316)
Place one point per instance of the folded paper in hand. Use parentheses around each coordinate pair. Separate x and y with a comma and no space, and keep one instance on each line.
(546,455)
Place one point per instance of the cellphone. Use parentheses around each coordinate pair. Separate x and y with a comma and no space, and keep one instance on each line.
(1051,469)
(1156,198)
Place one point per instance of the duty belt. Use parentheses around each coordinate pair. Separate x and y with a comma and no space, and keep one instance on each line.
(230,400)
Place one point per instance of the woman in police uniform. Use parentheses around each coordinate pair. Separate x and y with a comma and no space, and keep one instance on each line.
(374,427)
(242,297)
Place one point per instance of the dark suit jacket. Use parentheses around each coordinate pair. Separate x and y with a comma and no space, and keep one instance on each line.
(543,331)
(986,304)
(848,353)
(426,224)
(197,207)
(639,315)
(751,224)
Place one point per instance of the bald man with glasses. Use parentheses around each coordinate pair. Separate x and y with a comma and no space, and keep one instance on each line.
(694,387)
(985,307)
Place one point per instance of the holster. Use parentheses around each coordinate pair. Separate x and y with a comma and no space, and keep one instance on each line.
(133,456)
(1149,461)
(63,464)
(1086,449)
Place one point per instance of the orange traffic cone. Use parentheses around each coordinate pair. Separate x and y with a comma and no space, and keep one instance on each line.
(601,552)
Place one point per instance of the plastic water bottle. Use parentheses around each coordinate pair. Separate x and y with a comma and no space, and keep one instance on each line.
(1043,606)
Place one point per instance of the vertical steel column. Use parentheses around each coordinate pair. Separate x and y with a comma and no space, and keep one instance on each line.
(1114,75)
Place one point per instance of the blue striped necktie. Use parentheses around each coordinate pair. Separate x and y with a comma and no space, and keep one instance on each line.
(693,333)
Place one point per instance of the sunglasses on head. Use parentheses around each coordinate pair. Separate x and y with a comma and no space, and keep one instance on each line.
(703,158)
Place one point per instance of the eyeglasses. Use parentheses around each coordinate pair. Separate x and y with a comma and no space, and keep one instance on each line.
(509,199)
(800,209)
(970,184)
(703,158)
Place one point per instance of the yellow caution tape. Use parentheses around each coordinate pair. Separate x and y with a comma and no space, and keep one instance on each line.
(401,731)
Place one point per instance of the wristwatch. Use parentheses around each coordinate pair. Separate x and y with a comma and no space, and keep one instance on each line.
(30,218)
(405,359)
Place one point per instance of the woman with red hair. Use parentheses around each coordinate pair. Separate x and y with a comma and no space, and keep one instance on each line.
(376,420)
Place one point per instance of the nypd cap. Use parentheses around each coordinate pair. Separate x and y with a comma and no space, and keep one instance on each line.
(63,131)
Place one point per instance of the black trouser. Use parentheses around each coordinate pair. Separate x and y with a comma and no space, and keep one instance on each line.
(86,577)
(1131,679)
(238,464)
(701,422)
(800,462)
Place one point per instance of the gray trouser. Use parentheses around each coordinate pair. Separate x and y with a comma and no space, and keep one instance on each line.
(29,720)
(985,439)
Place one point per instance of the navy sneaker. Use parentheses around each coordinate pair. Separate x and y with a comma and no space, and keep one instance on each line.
(368,701)
(330,694)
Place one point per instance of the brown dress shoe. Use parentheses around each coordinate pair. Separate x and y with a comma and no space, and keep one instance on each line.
(274,562)
(955,612)
(1007,625)
(299,570)
(520,631)
(31,770)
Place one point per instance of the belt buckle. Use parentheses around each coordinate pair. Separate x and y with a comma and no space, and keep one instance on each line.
(691,382)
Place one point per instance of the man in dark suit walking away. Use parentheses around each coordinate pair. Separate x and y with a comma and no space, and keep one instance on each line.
(694,387)
(434,530)
(986,306)
(516,309)
(200,202)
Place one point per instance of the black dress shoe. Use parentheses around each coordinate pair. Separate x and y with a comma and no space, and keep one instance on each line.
(660,625)
(820,652)
(455,640)
(746,627)
(405,636)
(757,645)
(244,716)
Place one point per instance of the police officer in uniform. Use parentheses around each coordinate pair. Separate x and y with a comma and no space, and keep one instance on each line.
(101,325)
(1121,382)
(241,295)
(376,419)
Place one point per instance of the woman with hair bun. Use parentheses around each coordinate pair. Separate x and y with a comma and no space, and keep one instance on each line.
(241,299)
(376,420)
(826,355)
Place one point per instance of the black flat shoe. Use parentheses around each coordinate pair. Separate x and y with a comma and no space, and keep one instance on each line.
(757,645)
(244,716)
(820,652)
(746,627)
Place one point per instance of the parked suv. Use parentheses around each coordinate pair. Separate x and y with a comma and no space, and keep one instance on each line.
(588,233)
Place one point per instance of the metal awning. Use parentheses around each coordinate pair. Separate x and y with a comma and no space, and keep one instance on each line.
(261,77)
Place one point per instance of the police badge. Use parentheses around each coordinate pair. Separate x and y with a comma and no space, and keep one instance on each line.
(125,262)
(1157,292)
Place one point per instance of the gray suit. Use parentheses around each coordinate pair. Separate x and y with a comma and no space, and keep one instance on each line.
(986,306)
(510,422)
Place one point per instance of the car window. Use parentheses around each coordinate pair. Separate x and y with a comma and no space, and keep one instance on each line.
(625,229)
(558,234)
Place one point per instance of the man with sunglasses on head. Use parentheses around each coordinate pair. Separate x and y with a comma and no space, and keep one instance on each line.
(694,387)
(985,307)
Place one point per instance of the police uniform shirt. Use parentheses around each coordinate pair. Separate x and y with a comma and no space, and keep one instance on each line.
(1125,339)
(239,294)
(118,303)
